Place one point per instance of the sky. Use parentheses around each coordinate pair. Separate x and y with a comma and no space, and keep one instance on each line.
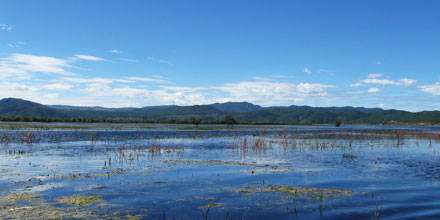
(272,53)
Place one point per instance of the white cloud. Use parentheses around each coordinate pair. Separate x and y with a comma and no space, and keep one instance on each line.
(129,60)
(123,92)
(123,80)
(407,82)
(374,75)
(433,89)
(325,71)
(316,89)
(377,79)
(154,79)
(58,86)
(16,44)
(269,92)
(28,92)
(307,71)
(24,65)
(373,90)
(5,27)
(160,61)
(115,51)
(88,57)
(131,92)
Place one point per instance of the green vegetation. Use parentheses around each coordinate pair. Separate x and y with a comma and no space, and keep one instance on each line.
(306,192)
(80,200)
(196,121)
(229,120)
(227,113)
(338,122)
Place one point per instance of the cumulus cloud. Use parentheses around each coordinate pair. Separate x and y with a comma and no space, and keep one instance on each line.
(88,57)
(24,65)
(16,44)
(307,71)
(407,82)
(374,75)
(375,78)
(49,80)
(115,51)
(5,27)
(58,86)
(373,90)
(160,61)
(153,79)
(378,79)
(269,92)
(129,60)
(433,89)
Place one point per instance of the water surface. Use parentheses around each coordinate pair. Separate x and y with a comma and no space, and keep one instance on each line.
(299,172)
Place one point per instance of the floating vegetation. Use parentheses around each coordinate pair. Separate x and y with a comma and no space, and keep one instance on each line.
(132,217)
(206,208)
(80,200)
(212,162)
(15,197)
(35,207)
(306,192)
(28,138)
(5,139)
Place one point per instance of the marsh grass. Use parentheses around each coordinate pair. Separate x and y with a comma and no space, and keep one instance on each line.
(28,138)
(316,194)
(15,197)
(80,200)
(206,208)
(213,163)
(5,139)
(33,206)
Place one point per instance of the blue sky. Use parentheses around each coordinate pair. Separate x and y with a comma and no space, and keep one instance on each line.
(140,53)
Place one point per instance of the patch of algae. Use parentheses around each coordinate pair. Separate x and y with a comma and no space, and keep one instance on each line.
(80,200)
(307,192)
(211,205)
(132,217)
(32,206)
(15,197)
(210,162)
(36,207)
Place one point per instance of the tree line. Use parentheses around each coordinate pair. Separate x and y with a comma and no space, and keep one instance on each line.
(229,120)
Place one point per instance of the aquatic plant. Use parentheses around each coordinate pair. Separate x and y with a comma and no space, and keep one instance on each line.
(28,138)
(5,139)
(318,194)
(211,162)
(206,208)
(80,200)
(15,197)
(195,121)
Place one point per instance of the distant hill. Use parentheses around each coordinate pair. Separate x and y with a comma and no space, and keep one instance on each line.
(12,109)
(236,107)
(15,107)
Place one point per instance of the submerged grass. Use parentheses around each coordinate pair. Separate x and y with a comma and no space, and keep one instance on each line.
(15,197)
(319,194)
(80,200)
(210,162)
(35,207)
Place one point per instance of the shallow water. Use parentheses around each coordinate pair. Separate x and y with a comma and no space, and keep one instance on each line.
(314,172)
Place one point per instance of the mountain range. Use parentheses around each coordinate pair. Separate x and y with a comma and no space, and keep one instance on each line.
(12,109)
